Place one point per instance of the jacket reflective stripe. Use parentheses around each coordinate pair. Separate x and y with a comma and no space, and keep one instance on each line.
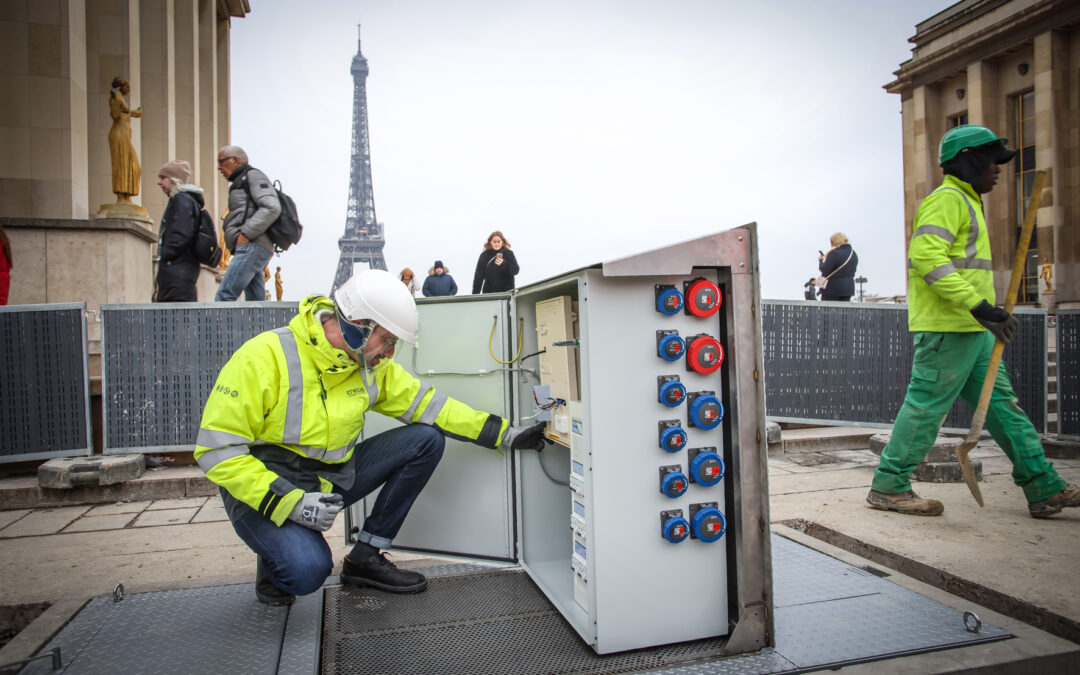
(973,263)
(433,409)
(294,412)
(973,233)
(935,230)
(939,273)
(372,388)
(211,458)
(406,418)
(208,438)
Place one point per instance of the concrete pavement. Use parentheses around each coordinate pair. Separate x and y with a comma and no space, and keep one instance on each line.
(996,558)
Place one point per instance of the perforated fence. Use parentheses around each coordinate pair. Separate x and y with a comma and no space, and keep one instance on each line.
(843,363)
(160,361)
(44,382)
(1068,372)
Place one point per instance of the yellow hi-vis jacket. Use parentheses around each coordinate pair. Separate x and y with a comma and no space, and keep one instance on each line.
(287,409)
(949,267)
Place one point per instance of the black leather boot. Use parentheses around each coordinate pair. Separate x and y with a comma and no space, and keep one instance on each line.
(376,570)
(267,592)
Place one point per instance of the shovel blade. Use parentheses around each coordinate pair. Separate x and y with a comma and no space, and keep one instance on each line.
(969,472)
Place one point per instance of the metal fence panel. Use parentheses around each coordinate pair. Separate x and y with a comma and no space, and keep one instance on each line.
(160,361)
(45,383)
(849,363)
(1068,372)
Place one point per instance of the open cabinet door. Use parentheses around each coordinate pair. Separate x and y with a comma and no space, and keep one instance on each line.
(467,508)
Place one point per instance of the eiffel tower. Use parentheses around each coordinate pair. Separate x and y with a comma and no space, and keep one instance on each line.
(363,240)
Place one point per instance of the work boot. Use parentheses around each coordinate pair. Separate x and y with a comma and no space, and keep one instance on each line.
(1070,496)
(905,502)
(376,570)
(267,592)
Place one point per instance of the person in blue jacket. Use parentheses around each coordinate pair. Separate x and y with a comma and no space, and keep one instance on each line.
(439,282)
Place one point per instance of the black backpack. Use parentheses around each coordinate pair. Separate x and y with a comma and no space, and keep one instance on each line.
(286,230)
(207,249)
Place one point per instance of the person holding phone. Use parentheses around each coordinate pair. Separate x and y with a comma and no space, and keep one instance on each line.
(496,267)
(838,268)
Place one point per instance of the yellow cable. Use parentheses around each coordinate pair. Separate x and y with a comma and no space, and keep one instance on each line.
(521,335)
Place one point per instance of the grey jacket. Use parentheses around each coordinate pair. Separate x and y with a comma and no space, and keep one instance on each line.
(251,219)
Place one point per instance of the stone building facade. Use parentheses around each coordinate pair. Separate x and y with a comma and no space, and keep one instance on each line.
(57,62)
(1013,66)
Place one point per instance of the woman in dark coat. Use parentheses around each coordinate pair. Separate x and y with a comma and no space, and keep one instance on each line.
(839,265)
(496,267)
(178,267)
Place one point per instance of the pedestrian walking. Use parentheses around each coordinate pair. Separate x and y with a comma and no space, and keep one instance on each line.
(253,208)
(952,315)
(178,264)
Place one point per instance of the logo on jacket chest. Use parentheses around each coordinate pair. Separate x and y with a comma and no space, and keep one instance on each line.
(355,391)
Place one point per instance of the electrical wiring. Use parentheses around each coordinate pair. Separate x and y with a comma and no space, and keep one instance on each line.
(521,340)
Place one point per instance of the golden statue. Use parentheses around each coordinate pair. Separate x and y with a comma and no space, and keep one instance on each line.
(126,172)
(225,255)
(1047,272)
(278,285)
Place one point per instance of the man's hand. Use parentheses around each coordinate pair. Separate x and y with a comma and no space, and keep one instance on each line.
(241,239)
(525,438)
(317,510)
(997,321)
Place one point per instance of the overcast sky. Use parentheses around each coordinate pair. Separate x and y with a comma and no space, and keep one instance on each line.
(584,130)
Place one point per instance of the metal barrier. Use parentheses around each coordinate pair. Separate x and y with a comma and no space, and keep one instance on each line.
(1068,372)
(849,363)
(160,361)
(44,383)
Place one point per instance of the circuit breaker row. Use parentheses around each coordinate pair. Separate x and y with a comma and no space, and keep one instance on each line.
(703,354)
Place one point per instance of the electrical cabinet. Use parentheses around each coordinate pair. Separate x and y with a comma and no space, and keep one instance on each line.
(645,521)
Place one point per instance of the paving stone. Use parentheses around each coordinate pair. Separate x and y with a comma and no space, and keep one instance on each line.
(116,521)
(9,517)
(164,504)
(167,517)
(64,473)
(211,512)
(43,521)
(945,472)
(120,507)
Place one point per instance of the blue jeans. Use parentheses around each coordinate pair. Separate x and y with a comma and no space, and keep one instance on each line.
(245,274)
(297,559)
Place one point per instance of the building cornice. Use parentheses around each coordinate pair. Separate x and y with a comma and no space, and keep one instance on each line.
(1013,29)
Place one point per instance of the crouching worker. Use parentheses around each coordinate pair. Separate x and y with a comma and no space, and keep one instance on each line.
(280,436)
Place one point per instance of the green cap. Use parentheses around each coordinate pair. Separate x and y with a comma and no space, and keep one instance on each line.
(965,136)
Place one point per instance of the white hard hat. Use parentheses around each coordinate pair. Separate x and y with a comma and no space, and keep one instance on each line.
(379,296)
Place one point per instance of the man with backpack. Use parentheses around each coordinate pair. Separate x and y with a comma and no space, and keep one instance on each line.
(178,262)
(253,207)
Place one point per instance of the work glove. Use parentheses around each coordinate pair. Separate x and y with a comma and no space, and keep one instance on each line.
(524,438)
(317,510)
(996,320)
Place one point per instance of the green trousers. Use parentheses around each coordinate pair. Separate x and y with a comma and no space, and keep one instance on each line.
(947,365)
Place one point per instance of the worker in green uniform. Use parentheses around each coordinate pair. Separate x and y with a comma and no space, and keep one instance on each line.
(280,435)
(952,315)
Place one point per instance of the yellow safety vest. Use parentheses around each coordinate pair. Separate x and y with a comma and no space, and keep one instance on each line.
(949,265)
(288,408)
